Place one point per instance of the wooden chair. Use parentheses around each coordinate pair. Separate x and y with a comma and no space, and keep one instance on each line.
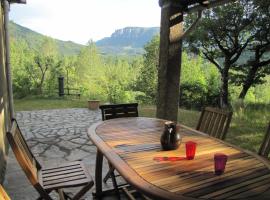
(113,111)
(265,146)
(3,194)
(215,122)
(46,180)
(119,110)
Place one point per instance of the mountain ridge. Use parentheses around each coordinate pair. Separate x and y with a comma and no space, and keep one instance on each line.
(126,41)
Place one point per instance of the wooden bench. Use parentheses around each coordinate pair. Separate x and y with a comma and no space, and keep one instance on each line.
(76,93)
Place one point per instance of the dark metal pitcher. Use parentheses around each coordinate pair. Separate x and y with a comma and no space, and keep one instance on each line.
(170,139)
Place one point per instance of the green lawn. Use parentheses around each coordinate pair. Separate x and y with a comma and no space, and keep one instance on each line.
(247,128)
(46,104)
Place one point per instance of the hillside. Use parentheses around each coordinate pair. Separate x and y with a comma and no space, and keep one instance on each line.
(127,41)
(35,39)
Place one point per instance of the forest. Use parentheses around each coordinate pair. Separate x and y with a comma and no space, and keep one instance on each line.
(225,61)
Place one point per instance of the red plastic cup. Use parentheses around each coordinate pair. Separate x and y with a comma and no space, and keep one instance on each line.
(220,163)
(190,150)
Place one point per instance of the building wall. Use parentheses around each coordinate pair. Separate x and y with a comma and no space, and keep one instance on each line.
(4,114)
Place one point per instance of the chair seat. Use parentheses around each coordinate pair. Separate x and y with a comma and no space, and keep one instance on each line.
(71,174)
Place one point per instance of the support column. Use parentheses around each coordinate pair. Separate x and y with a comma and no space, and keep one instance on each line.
(8,64)
(171,30)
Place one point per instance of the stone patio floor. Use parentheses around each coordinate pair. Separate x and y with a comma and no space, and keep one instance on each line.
(54,136)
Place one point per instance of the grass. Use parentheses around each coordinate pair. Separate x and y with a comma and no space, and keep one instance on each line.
(46,104)
(247,128)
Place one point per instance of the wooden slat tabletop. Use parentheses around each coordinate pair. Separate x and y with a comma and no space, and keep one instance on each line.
(130,144)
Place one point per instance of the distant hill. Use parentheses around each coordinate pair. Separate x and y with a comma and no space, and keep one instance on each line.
(127,41)
(35,39)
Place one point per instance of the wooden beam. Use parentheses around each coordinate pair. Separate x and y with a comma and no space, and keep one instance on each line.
(17,1)
(211,4)
(194,5)
(169,63)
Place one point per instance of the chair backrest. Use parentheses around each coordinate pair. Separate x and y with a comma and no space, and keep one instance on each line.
(215,122)
(265,146)
(119,110)
(3,194)
(24,156)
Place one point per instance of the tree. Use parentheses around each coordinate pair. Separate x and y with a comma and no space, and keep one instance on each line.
(147,79)
(222,37)
(116,81)
(193,82)
(44,59)
(89,66)
(20,56)
(254,70)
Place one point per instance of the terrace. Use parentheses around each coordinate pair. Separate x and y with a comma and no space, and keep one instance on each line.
(61,135)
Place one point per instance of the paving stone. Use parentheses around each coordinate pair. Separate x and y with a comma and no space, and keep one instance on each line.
(79,141)
(28,135)
(49,140)
(39,136)
(32,143)
(39,148)
(54,152)
(68,145)
(77,154)
(47,162)
(89,148)
(62,132)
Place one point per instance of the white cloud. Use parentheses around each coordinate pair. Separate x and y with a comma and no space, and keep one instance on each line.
(82,20)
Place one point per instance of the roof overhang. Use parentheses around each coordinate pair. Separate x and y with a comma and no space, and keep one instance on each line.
(189,6)
(17,1)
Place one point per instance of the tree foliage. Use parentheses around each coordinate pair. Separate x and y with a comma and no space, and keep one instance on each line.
(147,79)
(254,70)
(222,36)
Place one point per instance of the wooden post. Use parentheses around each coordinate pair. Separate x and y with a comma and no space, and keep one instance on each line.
(169,69)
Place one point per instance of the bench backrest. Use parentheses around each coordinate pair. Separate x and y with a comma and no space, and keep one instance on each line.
(215,122)
(119,110)
(265,146)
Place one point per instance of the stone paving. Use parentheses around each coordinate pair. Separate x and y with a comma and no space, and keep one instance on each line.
(54,136)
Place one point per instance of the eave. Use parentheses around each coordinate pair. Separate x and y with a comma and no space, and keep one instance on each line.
(17,1)
(194,5)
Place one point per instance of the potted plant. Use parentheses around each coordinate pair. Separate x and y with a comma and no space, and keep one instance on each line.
(93,102)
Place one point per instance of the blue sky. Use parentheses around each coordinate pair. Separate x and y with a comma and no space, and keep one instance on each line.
(81,20)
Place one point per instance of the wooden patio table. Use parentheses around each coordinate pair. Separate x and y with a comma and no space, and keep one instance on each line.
(131,144)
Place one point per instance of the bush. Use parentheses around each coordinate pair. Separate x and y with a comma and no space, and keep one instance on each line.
(192,95)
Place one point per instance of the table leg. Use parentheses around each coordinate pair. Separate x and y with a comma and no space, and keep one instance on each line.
(98,175)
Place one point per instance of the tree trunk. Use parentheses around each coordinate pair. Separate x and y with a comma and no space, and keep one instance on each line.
(248,81)
(224,93)
(41,82)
